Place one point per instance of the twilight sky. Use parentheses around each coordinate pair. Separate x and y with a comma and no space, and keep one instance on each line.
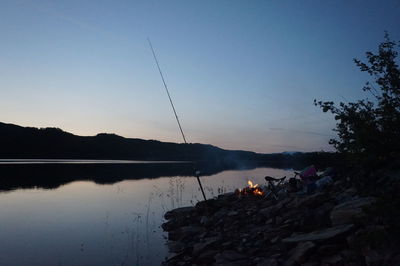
(242,74)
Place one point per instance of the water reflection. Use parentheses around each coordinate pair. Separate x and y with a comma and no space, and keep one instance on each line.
(84,223)
(51,174)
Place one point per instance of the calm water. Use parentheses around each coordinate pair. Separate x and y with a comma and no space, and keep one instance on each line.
(84,223)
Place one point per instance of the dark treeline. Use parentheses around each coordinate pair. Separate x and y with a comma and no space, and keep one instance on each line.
(52,143)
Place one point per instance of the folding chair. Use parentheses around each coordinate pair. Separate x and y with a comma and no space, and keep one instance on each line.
(273,185)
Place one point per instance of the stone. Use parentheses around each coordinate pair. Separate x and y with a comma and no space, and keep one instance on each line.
(175,246)
(349,256)
(220,214)
(229,255)
(348,194)
(270,221)
(313,201)
(333,260)
(184,232)
(351,210)
(204,220)
(275,239)
(373,236)
(299,253)
(227,244)
(184,211)
(174,256)
(310,264)
(278,220)
(321,235)
(232,213)
(327,250)
(268,262)
(270,211)
(207,257)
(373,258)
(198,248)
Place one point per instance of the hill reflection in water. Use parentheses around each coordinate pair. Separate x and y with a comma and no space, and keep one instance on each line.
(50,174)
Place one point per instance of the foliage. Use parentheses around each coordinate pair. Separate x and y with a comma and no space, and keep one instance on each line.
(371,128)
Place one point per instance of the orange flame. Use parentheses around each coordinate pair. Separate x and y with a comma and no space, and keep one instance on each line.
(250,183)
(251,189)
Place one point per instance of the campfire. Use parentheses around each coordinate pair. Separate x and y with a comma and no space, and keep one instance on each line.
(251,189)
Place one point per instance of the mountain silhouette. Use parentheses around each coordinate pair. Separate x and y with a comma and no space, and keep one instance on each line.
(19,142)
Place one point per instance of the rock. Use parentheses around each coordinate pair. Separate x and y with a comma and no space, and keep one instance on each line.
(351,210)
(350,256)
(175,246)
(312,201)
(333,260)
(184,211)
(227,244)
(373,258)
(198,248)
(371,236)
(268,262)
(229,255)
(270,221)
(232,213)
(275,239)
(327,250)
(299,253)
(220,214)
(270,211)
(206,257)
(174,257)
(321,235)
(184,232)
(346,195)
(278,220)
(205,220)
(171,225)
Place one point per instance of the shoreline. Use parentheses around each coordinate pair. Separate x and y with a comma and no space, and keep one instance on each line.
(329,227)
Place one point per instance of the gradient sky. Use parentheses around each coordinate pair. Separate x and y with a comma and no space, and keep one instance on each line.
(242,74)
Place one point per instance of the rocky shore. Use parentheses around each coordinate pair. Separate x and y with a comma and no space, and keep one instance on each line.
(332,226)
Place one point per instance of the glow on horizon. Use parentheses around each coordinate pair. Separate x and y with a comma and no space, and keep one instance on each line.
(243,75)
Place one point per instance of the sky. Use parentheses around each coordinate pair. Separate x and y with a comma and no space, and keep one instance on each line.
(242,74)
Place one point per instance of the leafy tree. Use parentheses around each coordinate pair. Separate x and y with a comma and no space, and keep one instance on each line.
(371,128)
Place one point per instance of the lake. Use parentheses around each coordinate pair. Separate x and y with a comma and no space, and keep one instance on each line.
(80,220)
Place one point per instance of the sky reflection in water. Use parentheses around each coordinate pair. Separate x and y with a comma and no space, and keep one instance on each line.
(86,223)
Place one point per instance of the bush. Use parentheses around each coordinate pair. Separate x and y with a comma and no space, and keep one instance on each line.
(371,128)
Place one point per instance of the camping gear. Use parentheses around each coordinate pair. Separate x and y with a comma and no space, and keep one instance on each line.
(323,182)
(273,184)
(308,174)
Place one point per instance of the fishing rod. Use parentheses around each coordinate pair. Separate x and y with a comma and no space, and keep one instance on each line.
(197,173)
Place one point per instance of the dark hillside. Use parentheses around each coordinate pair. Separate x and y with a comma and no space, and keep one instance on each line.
(53,143)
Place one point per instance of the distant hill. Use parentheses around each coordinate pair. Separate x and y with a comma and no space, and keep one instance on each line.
(19,142)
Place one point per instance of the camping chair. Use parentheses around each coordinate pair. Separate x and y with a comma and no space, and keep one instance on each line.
(273,185)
